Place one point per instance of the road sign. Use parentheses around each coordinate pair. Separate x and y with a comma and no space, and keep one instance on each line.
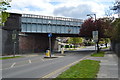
(95,36)
(50,35)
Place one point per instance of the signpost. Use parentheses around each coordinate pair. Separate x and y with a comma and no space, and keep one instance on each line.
(14,36)
(50,35)
(95,37)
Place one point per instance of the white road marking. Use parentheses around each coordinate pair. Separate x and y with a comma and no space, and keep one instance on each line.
(30,61)
(42,59)
(13,65)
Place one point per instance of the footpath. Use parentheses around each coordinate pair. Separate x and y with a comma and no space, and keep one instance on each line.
(108,66)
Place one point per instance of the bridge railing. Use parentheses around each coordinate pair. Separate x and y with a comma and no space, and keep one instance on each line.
(38,24)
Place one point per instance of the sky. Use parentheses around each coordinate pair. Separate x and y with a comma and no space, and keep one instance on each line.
(62,8)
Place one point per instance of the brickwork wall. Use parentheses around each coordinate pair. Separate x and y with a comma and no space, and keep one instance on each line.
(34,43)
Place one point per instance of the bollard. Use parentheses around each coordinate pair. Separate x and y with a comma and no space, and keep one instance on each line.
(48,53)
(62,51)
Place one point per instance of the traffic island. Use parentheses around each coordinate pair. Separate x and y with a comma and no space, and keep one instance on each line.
(50,57)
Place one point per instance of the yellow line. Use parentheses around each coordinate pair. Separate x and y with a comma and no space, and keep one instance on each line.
(58,70)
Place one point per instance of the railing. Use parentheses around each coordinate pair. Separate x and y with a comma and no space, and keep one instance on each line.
(40,24)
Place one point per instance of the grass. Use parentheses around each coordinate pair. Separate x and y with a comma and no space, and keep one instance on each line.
(9,57)
(105,47)
(72,49)
(82,47)
(84,69)
(99,54)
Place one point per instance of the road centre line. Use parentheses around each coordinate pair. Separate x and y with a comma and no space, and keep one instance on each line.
(60,69)
(13,65)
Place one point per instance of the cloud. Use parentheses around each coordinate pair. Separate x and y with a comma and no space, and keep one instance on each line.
(79,9)
(65,8)
(75,12)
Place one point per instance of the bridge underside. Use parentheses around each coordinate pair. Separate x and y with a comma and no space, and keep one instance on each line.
(35,43)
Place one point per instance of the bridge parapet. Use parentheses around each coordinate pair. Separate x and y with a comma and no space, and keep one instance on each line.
(47,24)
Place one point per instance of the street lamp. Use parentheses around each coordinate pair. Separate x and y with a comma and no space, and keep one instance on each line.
(91,16)
(50,35)
(95,31)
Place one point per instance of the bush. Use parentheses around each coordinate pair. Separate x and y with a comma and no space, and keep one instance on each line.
(66,46)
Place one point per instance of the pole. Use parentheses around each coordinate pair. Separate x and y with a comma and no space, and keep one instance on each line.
(97,30)
(50,35)
(14,49)
(50,45)
(14,42)
(98,36)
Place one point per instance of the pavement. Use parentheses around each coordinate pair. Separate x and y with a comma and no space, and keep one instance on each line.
(108,66)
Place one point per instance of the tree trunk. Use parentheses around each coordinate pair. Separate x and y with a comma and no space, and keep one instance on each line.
(98,49)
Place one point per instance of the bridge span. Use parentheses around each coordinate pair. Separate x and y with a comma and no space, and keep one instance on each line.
(32,32)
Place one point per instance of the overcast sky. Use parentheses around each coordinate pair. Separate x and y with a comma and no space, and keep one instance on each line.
(62,8)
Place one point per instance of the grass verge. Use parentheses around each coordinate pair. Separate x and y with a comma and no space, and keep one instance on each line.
(72,49)
(105,47)
(84,69)
(99,54)
(9,57)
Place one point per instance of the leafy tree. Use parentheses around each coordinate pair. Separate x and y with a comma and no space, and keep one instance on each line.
(90,25)
(100,25)
(114,31)
(4,4)
(75,40)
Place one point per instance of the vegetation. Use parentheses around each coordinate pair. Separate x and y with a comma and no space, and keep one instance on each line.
(106,47)
(101,25)
(99,54)
(115,32)
(71,49)
(9,57)
(4,4)
(84,69)
(90,25)
(75,40)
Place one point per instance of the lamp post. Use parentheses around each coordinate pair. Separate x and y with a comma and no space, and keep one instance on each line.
(97,41)
(91,16)
(50,35)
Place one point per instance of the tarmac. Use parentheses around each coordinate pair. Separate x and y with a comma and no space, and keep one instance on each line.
(109,69)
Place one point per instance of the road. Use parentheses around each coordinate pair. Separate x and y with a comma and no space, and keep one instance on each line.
(40,67)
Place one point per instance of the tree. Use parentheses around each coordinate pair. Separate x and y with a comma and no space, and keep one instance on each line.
(114,30)
(87,28)
(75,40)
(116,7)
(4,4)
(100,25)
(90,25)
